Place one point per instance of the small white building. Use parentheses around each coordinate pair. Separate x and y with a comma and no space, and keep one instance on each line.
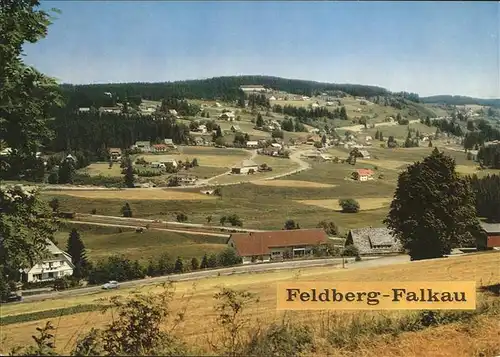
(144,146)
(228,116)
(172,162)
(248,167)
(57,265)
(252,144)
(276,146)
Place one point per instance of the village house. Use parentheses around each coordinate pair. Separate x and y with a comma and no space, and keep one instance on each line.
(57,265)
(115,154)
(311,154)
(492,231)
(272,97)
(252,144)
(173,112)
(160,148)
(364,154)
(199,141)
(247,167)
(202,129)
(186,180)
(69,157)
(252,88)
(363,174)
(373,241)
(169,143)
(235,129)
(144,146)
(84,110)
(276,245)
(228,116)
(326,157)
(172,162)
(277,146)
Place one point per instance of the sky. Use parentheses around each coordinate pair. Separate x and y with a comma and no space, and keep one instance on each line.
(430,48)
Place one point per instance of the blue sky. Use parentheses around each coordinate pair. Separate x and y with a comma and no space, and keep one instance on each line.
(424,47)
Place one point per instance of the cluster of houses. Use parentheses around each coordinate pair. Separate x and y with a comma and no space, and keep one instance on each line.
(264,246)
(147,147)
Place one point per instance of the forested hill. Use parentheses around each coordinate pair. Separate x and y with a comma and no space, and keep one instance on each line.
(222,88)
(460,100)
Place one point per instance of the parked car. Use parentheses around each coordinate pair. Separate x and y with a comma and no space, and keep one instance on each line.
(14,297)
(111,285)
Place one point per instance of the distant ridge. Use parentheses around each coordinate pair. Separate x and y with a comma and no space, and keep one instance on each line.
(460,100)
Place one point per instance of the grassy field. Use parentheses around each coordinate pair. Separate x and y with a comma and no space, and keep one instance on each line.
(105,241)
(199,319)
(102,169)
(365,203)
(279,166)
(291,183)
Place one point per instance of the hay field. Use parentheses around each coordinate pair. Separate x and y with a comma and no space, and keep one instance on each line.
(103,169)
(199,319)
(365,203)
(134,194)
(291,183)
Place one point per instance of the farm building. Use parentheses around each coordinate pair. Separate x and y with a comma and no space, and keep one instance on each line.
(272,97)
(202,129)
(199,141)
(363,174)
(56,265)
(235,129)
(276,245)
(364,154)
(169,143)
(144,146)
(373,241)
(492,231)
(277,146)
(173,112)
(160,148)
(248,167)
(229,116)
(172,162)
(115,153)
(326,157)
(252,88)
(252,144)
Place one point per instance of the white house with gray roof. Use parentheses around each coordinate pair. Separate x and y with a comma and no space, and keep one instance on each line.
(373,241)
(56,265)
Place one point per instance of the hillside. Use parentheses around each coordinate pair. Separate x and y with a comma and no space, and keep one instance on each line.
(460,100)
(221,88)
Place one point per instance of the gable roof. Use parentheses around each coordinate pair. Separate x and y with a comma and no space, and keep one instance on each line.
(490,227)
(364,172)
(54,251)
(168,141)
(118,150)
(366,239)
(259,243)
(364,153)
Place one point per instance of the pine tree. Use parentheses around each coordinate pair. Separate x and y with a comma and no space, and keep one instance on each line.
(343,113)
(381,136)
(259,123)
(430,143)
(433,210)
(76,249)
(179,266)
(195,265)
(66,171)
(204,262)
(126,210)
(128,173)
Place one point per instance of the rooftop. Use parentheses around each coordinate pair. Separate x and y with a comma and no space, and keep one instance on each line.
(259,243)
(491,227)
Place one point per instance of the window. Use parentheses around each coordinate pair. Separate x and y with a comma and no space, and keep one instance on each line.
(51,265)
(37,276)
(51,275)
(276,253)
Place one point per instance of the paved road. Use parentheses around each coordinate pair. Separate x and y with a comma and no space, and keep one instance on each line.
(242,269)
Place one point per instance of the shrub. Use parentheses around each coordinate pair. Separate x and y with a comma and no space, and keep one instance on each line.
(349,205)
(350,251)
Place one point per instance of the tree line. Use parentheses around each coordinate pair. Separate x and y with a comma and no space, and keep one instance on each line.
(302,113)
(487,193)
(217,88)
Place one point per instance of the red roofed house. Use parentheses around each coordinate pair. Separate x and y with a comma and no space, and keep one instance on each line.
(276,245)
(492,231)
(363,174)
(160,148)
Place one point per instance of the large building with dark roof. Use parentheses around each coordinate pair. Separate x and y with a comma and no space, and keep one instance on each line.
(276,245)
(373,241)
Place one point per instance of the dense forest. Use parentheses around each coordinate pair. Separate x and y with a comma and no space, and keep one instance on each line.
(93,131)
(221,88)
(460,100)
(487,190)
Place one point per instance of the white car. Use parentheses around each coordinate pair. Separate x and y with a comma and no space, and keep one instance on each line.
(111,285)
